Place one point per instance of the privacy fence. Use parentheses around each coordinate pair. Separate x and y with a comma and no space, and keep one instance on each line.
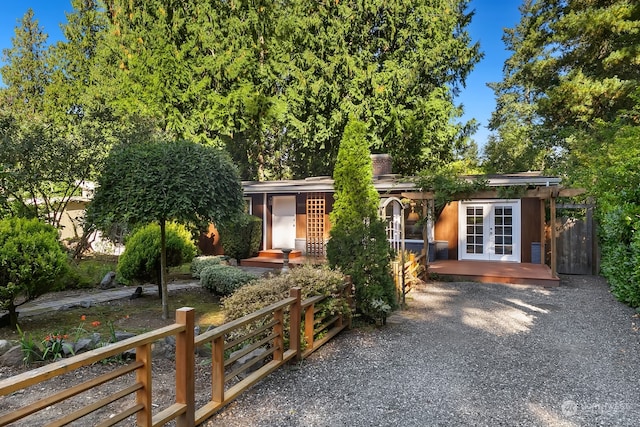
(286,331)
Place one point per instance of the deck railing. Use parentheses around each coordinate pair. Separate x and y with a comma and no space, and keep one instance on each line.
(263,329)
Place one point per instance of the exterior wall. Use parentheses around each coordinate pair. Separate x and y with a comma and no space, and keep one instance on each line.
(71,220)
(530,226)
(446,228)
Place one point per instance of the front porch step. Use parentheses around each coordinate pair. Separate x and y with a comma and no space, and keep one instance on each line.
(277,254)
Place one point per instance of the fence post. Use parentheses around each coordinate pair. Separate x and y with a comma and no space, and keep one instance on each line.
(294,323)
(278,341)
(309,325)
(143,376)
(217,369)
(185,377)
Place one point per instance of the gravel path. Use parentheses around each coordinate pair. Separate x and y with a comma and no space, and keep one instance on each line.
(467,354)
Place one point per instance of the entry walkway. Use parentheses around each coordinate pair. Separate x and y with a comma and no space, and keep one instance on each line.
(83,298)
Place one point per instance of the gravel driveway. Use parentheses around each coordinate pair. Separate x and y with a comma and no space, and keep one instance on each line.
(467,354)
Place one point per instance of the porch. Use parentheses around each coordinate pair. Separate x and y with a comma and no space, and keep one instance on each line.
(274,258)
(495,272)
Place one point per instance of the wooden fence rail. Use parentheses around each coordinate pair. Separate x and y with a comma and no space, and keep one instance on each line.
(263,329)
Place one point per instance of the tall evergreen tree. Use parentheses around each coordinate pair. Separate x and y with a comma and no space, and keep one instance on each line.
(358,244)
(26,72)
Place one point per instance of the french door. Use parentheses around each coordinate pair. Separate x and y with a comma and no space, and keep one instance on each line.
(489,230)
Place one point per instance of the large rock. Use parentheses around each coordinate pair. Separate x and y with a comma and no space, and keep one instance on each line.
(246,359)
(5,346)
(108,281)
(13,357)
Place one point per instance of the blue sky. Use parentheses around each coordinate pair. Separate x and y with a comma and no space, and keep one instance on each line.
(491,17)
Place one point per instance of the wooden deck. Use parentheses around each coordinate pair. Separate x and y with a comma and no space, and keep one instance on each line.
(474,271)
(495,272)
(273,258)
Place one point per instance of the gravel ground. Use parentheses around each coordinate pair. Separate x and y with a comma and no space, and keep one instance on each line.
(467,354)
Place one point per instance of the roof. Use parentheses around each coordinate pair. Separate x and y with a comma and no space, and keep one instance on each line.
(388,183)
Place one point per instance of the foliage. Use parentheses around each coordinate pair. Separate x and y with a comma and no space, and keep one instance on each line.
(241,237)
(25,70)
(224,279)
(141,257)
(201,262)
(55,346)
(358,244)
(166,181)
(448,185)
(620,247)
(31,260)
(313,281)
(30,348)
(570,72)
(285,76)
(86,273)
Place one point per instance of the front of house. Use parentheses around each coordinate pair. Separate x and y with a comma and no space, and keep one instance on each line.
(295,214)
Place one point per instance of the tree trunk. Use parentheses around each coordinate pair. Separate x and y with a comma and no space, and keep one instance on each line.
(163,270)
(13,317)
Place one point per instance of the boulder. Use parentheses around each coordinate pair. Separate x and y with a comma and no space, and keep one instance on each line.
(13,357)
(108,281)
(246,359)
(5,346)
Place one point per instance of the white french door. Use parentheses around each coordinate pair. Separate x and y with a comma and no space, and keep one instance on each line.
(489,230)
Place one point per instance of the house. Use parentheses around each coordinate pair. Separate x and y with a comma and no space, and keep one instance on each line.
(485,227)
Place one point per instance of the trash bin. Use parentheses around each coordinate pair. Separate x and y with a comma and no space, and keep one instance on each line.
(536,256)
(442,249)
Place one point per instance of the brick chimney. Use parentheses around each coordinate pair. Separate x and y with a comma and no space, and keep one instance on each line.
(381,164)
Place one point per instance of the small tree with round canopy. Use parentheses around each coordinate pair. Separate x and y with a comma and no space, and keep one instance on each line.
(158,181)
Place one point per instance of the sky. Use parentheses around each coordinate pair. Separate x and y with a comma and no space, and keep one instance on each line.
(491,17)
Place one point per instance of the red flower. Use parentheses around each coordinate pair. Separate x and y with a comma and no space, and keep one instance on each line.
(95,324)
(83,317)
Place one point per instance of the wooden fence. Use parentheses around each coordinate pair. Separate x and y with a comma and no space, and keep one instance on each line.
(262,329)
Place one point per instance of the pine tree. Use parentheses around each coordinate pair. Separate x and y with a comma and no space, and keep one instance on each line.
(26,72)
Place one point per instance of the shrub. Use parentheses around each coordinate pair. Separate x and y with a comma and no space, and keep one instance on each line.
(31,261)
(241,237)
(620,263)
(200,263)
(224,279)
(141,257)
(314,281)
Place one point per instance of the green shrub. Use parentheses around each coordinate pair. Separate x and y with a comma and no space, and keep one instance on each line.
(268,290)
(224,279)
(620,247)
(31,261)
(241,237)
(201,262)
(86,273)
(141,258)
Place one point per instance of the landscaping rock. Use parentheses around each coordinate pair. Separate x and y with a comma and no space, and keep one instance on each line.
(5,346)
(13,357)
(246,359)
(121,336)
(108,281)
(84,344)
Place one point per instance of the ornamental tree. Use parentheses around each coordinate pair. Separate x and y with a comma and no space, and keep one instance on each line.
(157,181)
(31,261)
(358,244)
